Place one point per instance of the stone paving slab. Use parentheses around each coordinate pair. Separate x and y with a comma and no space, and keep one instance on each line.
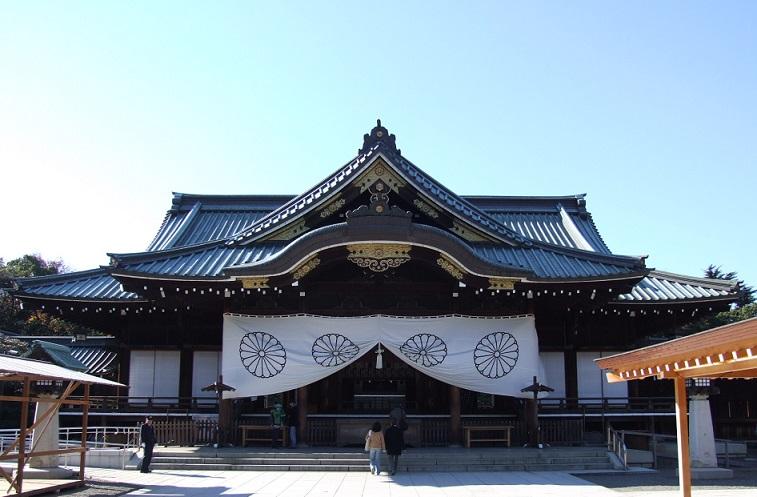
(174,483)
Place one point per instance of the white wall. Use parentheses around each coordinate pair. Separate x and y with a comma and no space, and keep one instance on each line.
(154,373)
(592,381)
(206,366)
(554,373)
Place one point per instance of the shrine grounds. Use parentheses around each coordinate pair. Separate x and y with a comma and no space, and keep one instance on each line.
(174,483)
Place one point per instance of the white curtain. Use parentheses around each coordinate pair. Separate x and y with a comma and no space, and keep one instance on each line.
(269,354)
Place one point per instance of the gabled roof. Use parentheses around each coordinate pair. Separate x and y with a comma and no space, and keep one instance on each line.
(17,367)
(205,236)
(54,353)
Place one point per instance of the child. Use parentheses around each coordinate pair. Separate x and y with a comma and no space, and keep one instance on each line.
(374,443)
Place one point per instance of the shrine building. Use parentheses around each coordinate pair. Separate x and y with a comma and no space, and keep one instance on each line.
(379,288)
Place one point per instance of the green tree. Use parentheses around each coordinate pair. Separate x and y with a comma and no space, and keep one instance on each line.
(31,265)
(746,292)
(13,318)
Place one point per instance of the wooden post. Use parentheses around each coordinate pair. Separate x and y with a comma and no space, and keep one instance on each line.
(84,426)
(682,432)
(225,421)
(302,422)
(24,422)
(455,425)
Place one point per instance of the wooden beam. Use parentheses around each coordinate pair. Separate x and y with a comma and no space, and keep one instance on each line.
(16,398)
(682,432)
(51,452)
(732,367)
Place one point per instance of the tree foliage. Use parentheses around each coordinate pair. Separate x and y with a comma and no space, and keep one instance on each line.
(13,318)
(746,292)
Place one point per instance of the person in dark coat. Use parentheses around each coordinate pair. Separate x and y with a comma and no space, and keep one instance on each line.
(147,434)
(293,421)
(394,438)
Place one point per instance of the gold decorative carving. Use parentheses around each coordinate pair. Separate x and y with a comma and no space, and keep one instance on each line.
(378,257)
(502,283)
(333,207)
(305,268)
(425,208)
(468,233)
(252,283)
(379,171)
(451,268)
(290,232)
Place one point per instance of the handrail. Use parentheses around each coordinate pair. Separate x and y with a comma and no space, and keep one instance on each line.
(616,443)
(655,436)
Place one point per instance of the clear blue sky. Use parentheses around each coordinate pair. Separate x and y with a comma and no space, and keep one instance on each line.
(649,107)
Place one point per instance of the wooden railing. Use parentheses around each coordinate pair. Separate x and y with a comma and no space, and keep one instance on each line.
(321,432)
(616,444)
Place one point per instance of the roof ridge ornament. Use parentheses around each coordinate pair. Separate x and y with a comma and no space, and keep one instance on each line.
(379,204)
(379,134)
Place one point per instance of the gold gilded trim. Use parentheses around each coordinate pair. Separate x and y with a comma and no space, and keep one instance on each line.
(379,171)
(502,283)
(468,233)
(290,232)
(425,208)
(332,208)
(378,257)
(450,267)
(252,283)
(305,268)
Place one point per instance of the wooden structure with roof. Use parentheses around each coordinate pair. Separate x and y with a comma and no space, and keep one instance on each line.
(27,372)
(377,236)
(729,351)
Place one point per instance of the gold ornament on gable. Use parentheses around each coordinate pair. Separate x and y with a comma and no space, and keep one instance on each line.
(450,267)
(305,268)
(379,172)
(378,257)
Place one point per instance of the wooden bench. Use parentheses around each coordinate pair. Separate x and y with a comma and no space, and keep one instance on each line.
(261,433)
(504,430)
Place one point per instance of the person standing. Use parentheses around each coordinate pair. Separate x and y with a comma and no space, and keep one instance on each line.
(395,442)
(374,443)
(278,416)
(147,434)
(293,421)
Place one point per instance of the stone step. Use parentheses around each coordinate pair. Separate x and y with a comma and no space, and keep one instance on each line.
(516,459)
(416,460)
(402,467)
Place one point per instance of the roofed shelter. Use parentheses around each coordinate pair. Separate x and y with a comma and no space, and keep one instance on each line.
(27,371)
(729,351)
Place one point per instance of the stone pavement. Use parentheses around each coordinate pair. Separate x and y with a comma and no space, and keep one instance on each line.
(174,483)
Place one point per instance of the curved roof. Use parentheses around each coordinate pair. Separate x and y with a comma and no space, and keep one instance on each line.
(660,286)
(91,285)
(202,236)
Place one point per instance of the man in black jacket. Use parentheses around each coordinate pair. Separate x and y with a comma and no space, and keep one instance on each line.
(147,434)
(394,438)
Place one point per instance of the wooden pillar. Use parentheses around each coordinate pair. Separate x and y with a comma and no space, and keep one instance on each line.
(455,425)
(24,423)
(225,421)
(570,360)
(682,432)
(186,363)
(532,421)
(302,410)
(84,426)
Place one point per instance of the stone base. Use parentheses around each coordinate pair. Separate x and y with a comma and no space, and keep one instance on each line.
(710,473)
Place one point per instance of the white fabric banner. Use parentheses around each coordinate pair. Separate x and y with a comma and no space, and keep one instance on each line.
(269,354)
